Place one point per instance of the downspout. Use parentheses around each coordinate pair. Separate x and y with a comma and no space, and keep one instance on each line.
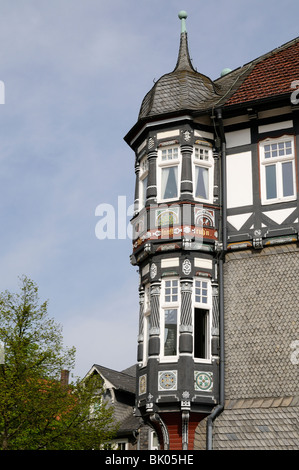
(219,408)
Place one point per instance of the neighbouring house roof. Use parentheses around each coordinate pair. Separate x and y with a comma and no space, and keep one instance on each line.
(120,380)
(268,76)
(123,397)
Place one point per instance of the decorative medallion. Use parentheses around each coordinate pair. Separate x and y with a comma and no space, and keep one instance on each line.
(153,271)
(142,384)
(168,380)
(203,381)
(187,136)
(185,402)
(150,397)
(186,267)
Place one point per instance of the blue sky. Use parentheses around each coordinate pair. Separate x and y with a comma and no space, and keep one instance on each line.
(75,73)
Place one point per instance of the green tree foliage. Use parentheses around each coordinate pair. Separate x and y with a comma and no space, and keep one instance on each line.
(36,410)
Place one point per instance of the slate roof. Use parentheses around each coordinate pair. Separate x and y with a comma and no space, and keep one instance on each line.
(120,380)
(269,424)
(254,424)
(124,381)
(185,89)
(129,424)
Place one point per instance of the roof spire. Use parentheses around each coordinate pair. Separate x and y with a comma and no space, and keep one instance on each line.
(183,16)
(184,61)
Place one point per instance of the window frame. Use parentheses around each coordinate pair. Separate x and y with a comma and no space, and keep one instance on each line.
(143,176)
(207,306)
(206,164)
(169,163)
(277,161)
(169,305)
(146,321)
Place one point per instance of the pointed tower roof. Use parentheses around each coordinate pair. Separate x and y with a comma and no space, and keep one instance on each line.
(181,90)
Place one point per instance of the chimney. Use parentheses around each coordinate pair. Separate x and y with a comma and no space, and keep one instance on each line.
(64,378)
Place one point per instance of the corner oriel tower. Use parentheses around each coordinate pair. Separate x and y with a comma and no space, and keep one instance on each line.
(177,246)
(216,230)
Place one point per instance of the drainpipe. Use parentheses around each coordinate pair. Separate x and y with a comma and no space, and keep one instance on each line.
(219,408)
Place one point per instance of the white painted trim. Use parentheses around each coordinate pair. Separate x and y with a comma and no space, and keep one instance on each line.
(237,221)
(277,161)
(159,123)
(167,134)
(168,262)
(166,164)
(145,270)
(276,126)
(236,120)
(238,138)
(274,112)
(208,306)
(209,164)
(239,180)
(203,263)
(203,134)
(141,146)
(280,215)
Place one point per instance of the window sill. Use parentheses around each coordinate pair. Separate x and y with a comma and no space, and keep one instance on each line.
(278,201)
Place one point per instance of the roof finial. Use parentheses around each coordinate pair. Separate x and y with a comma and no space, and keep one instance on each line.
(183,15)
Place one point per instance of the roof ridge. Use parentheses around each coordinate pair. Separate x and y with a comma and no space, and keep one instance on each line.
(276,50)
(113,370)
(269,70)
(262,57)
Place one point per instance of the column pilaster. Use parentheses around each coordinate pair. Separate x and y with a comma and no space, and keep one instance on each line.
(186,173)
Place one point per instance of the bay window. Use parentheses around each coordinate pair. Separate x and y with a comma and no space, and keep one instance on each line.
(174,310)
(277,163)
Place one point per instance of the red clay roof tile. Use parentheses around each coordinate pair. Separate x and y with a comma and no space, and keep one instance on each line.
(272,75)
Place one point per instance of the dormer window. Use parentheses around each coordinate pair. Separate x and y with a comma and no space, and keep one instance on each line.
(203,172)
(169,171)
(277,162)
